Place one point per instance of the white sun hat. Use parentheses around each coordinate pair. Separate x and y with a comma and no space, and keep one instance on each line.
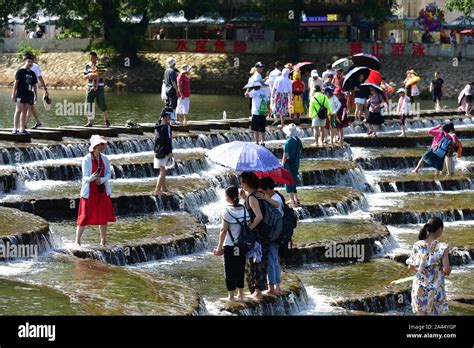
(96,140)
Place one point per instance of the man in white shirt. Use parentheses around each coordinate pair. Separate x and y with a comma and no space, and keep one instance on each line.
(329,71)
(274,74)
(33,110)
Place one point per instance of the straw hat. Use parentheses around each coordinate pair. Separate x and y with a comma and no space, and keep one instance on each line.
(291,130)
(96,140)
(186,68)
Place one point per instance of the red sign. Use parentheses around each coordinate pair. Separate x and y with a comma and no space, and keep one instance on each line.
(418,50)
(240,47)
(377,49)
(355,48)
(182,45)
(201,46)
(219,46)
(398,49)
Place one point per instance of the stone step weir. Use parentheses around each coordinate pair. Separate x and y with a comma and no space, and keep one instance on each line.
(292,300)
(54,208)
(389,141)
(25,231)
(129,143)
(328,201)
(337,241)
(333,173)
(458,256)
(147,238)
(88,284)
(383,302)
(187,163)
(388,162)
(457,182)
(418,217)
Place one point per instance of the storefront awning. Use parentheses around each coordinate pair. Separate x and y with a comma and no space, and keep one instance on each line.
(462,22)
(324,24)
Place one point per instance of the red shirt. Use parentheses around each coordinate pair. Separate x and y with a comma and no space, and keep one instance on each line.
(184,83)
(298,87)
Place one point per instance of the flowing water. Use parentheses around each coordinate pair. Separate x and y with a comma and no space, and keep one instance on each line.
(160,261)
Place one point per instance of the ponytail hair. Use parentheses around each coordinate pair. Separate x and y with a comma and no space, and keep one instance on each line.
(233,193)
(433,225)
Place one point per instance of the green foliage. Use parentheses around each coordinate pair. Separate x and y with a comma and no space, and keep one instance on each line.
(24,46)
(69,34)
(465,6)
(103,48)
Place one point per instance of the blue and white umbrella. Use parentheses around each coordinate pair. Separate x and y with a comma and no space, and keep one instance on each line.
(244,157)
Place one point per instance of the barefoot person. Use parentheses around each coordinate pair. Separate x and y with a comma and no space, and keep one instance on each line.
(95,90)
(163,149)
(375,104)
(436,87)
(95,206)
(267,187)
(442,142)
(260,96)
(430,260)
(256,270)
(233,216)
(24,94)
(184,94)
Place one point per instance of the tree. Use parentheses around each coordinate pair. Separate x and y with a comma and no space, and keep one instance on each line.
(109,16)
(465,6)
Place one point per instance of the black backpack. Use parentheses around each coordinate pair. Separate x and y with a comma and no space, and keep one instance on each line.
(290,221)
(247,237)
(323,111)
(271,227)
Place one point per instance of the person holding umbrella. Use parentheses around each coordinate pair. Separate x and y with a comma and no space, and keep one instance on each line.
(291,160)
(360,100)
(375,104)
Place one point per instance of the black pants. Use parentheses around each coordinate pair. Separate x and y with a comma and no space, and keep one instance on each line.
(234,267)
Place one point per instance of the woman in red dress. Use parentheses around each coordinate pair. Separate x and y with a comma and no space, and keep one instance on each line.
(95,207)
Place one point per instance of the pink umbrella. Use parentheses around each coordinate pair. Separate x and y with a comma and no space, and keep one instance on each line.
(467,31)
(281,176)
(305,65)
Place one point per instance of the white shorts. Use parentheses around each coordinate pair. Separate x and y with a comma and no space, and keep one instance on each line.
(317,122)
(360,100)
(183,106)
(157,163)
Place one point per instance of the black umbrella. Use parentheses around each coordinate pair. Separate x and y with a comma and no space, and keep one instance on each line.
(352,78)
(368,60)
(365,88)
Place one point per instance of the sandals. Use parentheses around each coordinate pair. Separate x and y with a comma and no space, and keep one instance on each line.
(88,124)
(107,123)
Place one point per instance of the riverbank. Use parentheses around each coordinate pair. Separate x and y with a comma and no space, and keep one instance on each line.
(218,73)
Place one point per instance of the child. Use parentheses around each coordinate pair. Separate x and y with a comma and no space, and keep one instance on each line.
(298,89)
(163,149)
(260,96)
(403,108)
(442,141)
(429,259)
